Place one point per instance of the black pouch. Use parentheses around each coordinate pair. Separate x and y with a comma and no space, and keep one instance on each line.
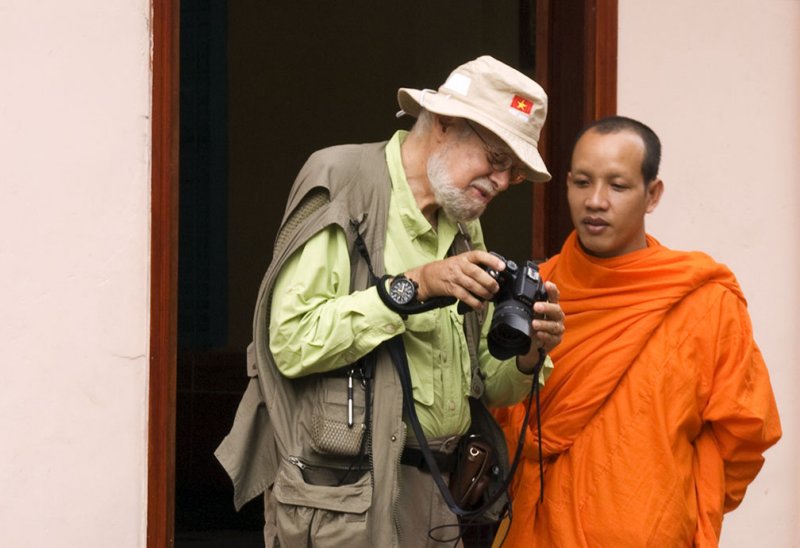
(473,473)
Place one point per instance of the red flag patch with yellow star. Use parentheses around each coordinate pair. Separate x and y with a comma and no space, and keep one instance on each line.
(521,104)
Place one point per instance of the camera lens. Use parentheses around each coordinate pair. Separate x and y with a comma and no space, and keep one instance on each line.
(510,332)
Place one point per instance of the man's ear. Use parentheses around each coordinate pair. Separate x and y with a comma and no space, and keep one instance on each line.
(654,192)
(444,123)
(441,125)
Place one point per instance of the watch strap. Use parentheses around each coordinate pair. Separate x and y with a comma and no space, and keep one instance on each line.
(415,307)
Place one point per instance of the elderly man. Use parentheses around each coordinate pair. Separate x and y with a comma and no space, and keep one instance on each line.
(378,243)
(656,418)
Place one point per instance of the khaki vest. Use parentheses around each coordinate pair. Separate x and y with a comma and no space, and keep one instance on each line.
(284,435)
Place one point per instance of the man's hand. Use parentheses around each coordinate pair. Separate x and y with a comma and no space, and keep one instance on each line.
(461,276)
(548,327)
(464,277)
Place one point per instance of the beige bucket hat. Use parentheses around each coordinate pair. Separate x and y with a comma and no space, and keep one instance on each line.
(496,96)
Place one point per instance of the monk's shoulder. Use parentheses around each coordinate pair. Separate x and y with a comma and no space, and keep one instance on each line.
(711,312)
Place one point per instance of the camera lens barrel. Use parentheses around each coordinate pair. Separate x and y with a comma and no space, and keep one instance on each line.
(510,331)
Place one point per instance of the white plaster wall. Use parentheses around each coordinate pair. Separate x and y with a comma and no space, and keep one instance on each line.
(74,268)
(719,81)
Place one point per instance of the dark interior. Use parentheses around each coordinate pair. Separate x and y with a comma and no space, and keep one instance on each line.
(264,84)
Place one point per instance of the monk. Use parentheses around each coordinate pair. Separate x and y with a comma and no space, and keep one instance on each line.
(658,411)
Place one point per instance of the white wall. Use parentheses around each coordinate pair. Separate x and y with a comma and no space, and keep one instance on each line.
(719,81)
(74,267)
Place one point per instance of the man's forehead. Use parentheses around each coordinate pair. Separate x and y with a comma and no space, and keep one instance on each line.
(492,140)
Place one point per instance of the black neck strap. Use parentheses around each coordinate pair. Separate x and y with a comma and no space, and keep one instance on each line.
(397,352)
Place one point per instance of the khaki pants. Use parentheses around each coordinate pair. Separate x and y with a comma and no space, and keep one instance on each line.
(421,508)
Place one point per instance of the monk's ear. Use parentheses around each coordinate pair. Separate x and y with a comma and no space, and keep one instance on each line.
(654,191)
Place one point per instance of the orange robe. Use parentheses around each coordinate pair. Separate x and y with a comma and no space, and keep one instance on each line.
(657,413)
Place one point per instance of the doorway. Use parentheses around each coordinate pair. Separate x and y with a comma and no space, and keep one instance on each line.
(261,87)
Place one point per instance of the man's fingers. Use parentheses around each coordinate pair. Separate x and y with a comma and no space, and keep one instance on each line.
(484,259)
(464,276)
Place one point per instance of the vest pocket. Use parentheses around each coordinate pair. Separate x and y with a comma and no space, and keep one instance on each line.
(338,422)
(321,506)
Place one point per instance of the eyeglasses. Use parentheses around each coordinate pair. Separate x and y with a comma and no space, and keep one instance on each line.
(500,161)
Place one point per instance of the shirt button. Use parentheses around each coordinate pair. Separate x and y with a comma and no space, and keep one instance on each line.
(390,328)
(451,405)
(394,438)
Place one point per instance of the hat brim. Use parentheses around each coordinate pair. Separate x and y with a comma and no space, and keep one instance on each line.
(413,100)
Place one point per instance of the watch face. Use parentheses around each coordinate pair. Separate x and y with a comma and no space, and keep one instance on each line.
(402,290)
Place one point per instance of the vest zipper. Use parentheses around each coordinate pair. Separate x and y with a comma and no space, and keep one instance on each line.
(297,462)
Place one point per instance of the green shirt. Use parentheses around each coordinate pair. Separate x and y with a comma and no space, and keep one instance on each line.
(318,325)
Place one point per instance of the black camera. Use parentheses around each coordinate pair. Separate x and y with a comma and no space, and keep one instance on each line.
(510,331)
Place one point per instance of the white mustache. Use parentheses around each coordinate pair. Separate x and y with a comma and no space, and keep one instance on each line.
(485,185)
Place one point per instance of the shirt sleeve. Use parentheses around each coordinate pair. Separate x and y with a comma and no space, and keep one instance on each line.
(316,324)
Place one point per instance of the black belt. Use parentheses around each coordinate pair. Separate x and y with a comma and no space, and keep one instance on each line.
(414,457)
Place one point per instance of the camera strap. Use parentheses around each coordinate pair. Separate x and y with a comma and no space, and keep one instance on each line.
(397,353)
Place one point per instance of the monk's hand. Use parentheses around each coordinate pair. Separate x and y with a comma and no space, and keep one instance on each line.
(548,322)
(548,328)
(462,276)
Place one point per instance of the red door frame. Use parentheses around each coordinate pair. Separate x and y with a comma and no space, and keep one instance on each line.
(594,59)
(579,72)
(163,275)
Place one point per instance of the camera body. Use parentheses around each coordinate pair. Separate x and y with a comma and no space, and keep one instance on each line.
(510,330)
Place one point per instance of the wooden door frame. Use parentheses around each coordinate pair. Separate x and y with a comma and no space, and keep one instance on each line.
(597,62)
(163,274)
(580,76)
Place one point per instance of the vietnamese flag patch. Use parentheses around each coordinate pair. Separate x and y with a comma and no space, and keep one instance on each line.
(521,104)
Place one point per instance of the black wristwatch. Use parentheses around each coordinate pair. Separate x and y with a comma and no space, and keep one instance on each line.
(402,290)
(401,297)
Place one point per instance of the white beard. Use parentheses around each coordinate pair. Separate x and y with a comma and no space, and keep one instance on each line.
(455,202)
